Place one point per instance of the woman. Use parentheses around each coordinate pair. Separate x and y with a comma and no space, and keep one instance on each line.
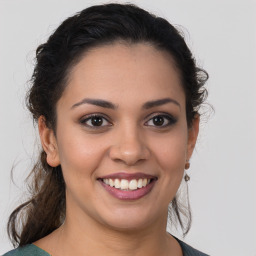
(116,94)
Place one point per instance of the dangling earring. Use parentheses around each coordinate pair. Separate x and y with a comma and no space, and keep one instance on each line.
(186,177)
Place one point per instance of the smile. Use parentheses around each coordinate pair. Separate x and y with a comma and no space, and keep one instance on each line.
(124,184)
(128,186)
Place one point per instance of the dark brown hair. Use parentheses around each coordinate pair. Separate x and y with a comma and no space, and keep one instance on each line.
(92,27)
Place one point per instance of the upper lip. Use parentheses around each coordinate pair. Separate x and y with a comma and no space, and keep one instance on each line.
(128,176)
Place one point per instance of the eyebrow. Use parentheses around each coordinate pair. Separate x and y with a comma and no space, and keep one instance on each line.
(160,102)
(110,105)
(96,102)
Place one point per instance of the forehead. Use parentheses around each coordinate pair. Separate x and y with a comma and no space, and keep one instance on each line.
(137,70)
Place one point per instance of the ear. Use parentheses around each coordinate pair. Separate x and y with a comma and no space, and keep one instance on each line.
(49,143)
(192,136)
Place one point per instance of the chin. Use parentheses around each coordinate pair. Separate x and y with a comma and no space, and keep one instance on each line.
(130,220)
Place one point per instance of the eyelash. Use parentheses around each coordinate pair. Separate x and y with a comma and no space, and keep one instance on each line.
(85,119)
(167,118)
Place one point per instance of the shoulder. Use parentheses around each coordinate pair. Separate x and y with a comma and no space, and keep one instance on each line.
(190,251)
(27,250)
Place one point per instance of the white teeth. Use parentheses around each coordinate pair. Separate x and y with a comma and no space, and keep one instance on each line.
(140,183)
(124,184)
(117,183)
(111,183)
(133,184)
(144,182)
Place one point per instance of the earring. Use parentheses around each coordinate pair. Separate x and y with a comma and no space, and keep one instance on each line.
(187,165)
(186,177)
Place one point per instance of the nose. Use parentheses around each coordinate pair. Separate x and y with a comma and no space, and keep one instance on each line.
(129,147)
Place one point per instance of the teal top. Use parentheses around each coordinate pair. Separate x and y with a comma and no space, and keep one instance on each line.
(27,250)
(33,250)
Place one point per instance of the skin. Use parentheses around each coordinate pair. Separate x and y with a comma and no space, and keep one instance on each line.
(129,141)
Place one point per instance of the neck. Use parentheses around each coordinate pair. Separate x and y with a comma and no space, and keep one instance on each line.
(83,235)
(77,237)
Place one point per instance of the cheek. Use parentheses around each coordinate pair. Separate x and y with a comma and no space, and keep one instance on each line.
(79,156)
(79,160)
(171,158)
(171,150)
(172,155)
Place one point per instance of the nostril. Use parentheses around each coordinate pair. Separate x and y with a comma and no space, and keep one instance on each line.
(129,154)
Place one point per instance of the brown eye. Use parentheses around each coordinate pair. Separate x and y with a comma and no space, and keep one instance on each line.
(95,121)
(158,120)
(161,121)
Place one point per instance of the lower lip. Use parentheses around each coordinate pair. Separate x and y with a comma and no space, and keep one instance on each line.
(129,194)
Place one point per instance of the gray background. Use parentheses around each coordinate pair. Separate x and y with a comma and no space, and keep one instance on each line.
(222,35)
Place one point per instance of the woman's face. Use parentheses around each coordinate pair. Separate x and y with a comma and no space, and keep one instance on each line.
(122,138)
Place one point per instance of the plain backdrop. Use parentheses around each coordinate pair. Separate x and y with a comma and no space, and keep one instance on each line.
(222,36)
